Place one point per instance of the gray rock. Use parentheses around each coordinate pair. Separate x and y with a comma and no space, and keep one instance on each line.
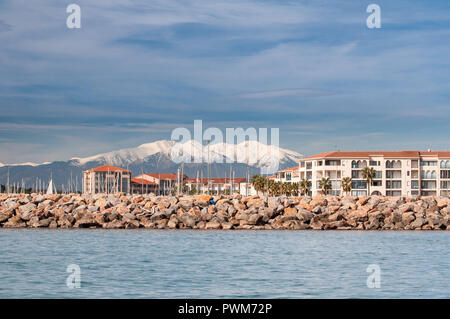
(27,208)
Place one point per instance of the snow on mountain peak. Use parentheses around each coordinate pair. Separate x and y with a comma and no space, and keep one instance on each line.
(217,152)
(129,155)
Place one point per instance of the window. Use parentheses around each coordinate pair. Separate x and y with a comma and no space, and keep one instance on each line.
(336,184)
(415,184)
(359,193)
(359,184)
(428,163)
(356,174)
(319,163)
(445,174)
(335,192)
(393,184)
(377,183)
(378,174)
(428,184)
(374,163)
(445,164)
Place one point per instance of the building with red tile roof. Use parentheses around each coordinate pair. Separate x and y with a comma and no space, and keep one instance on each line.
(106,179)
(143,186)
(396,173)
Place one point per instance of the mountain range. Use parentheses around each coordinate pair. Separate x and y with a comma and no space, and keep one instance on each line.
(154,157)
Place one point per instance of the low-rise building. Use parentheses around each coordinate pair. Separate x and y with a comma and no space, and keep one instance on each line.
(166,183)
(288,175)
(397,173)
(217,185)
(143,186)
(106,179)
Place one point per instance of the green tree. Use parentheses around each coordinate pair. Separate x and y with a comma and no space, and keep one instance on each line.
(259,183)
(193,191)
(294,188)
(271,187)
(305,185)
(286,188)
(346,184)
(325,185)
(368,173)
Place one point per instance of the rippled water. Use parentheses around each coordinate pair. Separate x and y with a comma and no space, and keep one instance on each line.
(223,264)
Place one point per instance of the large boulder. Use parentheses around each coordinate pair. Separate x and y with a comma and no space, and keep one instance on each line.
(213,224)
(290,211)
(27,208)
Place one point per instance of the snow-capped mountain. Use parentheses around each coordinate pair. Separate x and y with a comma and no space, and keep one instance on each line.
(160,156)
(129,155)
(252,152)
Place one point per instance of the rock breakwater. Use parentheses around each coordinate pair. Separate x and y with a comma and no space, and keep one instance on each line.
(227,212)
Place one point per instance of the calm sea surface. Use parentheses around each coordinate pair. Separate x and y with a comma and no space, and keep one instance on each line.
(223,264)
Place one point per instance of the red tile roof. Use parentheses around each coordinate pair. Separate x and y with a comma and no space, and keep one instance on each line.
(141,181)
(367,154)
(170,176)
(443,154)
(108,168)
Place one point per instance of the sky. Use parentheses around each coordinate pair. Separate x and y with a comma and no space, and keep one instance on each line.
(136,70)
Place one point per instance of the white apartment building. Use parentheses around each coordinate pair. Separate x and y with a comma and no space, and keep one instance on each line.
(288,175)
(401,173)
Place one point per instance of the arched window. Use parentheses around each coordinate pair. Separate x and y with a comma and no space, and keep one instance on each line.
(447,164)
(443,164)
(433,174)
(354,164)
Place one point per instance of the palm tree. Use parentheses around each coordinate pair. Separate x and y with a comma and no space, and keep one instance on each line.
(286,188)
(346,184)
(259,183)
(305,185)
(294,188)
(325,185)
(368,173)
(273,187)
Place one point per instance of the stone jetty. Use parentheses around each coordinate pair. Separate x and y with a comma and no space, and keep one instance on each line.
(227,212)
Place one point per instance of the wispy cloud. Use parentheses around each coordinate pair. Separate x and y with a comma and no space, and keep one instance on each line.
(285,92)
(138,68)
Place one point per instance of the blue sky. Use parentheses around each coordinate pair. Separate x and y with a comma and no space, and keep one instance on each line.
(138,69)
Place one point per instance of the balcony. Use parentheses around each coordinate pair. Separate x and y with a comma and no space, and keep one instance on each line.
(359,164)
(393,174)
(393,164)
